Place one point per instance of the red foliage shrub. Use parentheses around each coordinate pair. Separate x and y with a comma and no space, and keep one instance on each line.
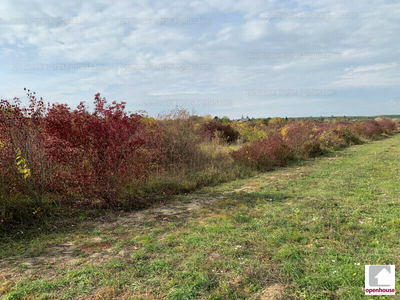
(388,125)
(94,147)
(369,129)
(23,146)
(302,138)
(265,154)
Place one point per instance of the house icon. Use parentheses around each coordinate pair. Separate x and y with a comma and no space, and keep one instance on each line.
(384,277)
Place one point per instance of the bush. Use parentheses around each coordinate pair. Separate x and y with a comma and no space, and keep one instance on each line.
(343,131)
(94,148)
(250,131)
(211,129)
(299,140)
(302,138)
(225,120)
(388,125)
(369,129)
(180,145)
(24,148)
(187,162)
(264,154)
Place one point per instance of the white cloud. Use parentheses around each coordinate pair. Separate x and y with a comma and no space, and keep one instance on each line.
(368,47)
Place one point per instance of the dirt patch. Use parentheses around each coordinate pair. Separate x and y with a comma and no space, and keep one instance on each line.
(52,254)
(162,212)
(272,292)
(96,246)
(47,265)
(334,158)
(246,189)
(286,174)
(214,256)
(103,293)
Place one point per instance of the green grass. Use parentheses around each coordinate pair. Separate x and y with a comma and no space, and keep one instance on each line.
(307,229)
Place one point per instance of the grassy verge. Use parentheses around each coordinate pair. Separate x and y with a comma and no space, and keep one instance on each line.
(301,232)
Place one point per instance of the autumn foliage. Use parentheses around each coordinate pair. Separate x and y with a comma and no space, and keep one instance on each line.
(58,156)
(24,159)
(95,148)
(266,153)
(215,128)
(76,156)
(298,140)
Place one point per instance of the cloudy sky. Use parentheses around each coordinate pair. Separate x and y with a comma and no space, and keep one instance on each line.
(258,57)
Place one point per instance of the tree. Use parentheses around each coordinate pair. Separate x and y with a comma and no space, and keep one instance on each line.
(276,120)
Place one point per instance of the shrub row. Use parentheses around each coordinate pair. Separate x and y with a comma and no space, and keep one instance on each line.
(55,156)
(299,140)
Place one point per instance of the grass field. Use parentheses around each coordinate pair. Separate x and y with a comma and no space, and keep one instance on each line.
(301,232)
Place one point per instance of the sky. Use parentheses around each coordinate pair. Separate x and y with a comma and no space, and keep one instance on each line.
(256,58)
